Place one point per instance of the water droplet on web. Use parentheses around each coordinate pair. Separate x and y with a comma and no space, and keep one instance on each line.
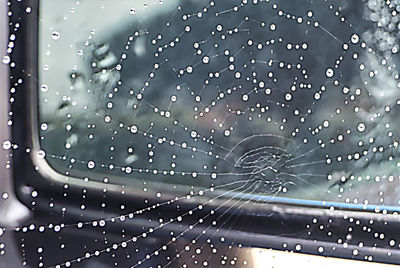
(355,39)
(44,88)
(43,126)
(41,154)
(361,127)
(6,145)
(55,35)
(6,59)
(91,164)
(132,11)
(34,194)
(329,72)
(134,129)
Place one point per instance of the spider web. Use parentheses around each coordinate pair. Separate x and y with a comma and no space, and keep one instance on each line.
(223,106)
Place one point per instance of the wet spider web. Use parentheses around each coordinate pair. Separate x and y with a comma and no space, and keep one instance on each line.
(232,104)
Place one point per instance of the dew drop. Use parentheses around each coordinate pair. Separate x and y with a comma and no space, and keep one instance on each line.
(41,154)
(361,127)
(55,35)
(134,129)
(34,194)
(6,59)
(329,72)
(43,126)
(6,145)
(91,164)
(44,88)
(355,39)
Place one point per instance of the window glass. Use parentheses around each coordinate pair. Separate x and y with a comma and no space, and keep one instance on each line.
(282,99)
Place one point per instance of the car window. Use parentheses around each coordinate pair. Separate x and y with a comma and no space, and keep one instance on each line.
(291,100)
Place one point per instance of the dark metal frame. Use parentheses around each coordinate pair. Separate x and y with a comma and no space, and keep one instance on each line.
(268,225)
